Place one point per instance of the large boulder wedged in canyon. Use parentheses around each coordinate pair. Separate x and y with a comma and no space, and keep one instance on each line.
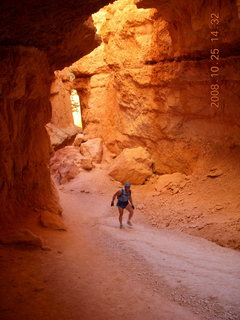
(133,165)
(149,84)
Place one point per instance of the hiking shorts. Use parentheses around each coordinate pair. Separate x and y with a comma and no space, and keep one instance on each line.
(122,204)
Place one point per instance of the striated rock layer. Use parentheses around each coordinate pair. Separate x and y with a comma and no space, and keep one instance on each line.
(149,81)
(35,40)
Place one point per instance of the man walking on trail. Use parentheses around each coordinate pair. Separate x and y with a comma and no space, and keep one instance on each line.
(124,197)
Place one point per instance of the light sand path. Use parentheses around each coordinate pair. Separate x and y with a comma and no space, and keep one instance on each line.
(95,271)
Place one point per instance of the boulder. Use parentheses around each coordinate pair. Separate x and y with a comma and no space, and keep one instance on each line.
(68,171)
(133,165)
(78,140)
(21,237)
(93,148)
(65,164)
(171,182)
(51,221)
(86,163)
(61,137)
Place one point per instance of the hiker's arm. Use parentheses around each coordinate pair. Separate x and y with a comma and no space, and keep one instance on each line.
(118,193)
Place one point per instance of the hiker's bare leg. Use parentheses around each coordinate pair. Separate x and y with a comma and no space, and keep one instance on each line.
(120,210)
(130,210)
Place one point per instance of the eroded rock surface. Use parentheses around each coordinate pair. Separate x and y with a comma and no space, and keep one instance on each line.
(78,140)
(149,82)
(60,99)
(65,164)
(25,180)
(47,37)
(68,162)
(171,182)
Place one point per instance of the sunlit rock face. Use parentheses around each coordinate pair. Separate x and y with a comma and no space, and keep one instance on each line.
(61,129)
(60,99)
(148,84)
(35,40)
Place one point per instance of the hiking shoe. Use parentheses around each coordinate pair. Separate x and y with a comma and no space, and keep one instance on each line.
(129,223)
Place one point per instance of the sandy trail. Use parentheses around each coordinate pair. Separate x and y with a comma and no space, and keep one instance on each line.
(96,271)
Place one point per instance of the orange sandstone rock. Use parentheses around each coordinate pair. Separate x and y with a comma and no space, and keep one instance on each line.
(149,83)
(93,148)
(60,99)
(31,50)
(78,140)
(133,165)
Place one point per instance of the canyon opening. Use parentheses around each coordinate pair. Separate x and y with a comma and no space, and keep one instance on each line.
(99,94)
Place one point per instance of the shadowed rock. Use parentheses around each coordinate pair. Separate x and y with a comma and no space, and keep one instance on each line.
(51,221)
(21,237)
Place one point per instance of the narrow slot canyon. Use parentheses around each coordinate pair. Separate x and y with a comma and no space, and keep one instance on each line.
(99,94)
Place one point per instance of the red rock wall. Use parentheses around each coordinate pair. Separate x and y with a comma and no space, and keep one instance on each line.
(25,109)
(35,40)
(60,99)
(149,82)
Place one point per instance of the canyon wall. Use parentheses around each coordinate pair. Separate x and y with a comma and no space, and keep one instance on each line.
(60,99)
(25,108)
(61,129)
(35,40)
(149,82)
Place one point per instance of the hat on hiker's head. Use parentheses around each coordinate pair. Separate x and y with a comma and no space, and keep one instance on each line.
(127,185)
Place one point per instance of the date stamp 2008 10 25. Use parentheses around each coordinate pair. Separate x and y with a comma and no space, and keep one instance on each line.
(214,60)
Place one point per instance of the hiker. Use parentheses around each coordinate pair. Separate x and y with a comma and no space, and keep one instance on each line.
(124,197)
